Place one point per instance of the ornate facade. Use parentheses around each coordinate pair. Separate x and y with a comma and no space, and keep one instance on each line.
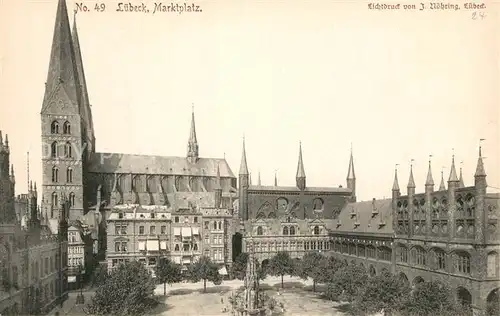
(450,234)
(294,219)
(32,251)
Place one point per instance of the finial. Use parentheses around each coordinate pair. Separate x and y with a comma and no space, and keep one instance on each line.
(480,145)
(430,158)
(411,162)
(351,147)
(453,152)
(192,107)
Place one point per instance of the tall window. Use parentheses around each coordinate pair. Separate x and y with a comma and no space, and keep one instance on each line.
(152,230)
(285,230)
(403,254)
(384,254)
(55,174)
(371,252)
(66,128)
(419,256)
(259,230)
(141,230)
(54,128)
(72,199)
(54,199)
(292,230)
(163,230)
(68,150)
(215,225)
(462,262)
(492,264)
(220,225)
(69,175)
(316,230)
(53,150)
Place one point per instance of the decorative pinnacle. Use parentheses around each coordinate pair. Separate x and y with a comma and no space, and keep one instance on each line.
(411,181)
(395,186)
(429,181)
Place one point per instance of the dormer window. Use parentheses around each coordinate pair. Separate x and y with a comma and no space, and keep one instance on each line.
(316,230)
(152,215)
(339,224)
(120,215)
(353,213)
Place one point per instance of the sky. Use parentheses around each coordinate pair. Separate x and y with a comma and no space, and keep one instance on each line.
(397,85)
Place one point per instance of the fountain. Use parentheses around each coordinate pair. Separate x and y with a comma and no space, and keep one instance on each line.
(250,301)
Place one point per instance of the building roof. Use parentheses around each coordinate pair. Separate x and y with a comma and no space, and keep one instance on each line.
(359,218)
(161,165)
(295,189)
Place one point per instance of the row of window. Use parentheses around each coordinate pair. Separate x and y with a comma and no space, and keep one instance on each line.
(66,147)
(76,250)
(54,127)
(216,239)
(215,254)
(368,251)
(186,247)
(75,262)
(122,230)
(292,245)
(288,230)
(55,174)
(55,200)
(216,225)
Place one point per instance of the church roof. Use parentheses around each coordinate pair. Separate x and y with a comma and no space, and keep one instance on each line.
(161,165)
(295,189)
(359,217)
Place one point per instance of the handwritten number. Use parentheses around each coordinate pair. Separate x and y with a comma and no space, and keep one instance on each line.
(422,7)
(100,7)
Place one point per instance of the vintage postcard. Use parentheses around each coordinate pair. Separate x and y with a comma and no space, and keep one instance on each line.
(224,157)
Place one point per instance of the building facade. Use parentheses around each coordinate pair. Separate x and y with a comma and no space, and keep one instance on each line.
(448,234)
(32,252)
(294,219)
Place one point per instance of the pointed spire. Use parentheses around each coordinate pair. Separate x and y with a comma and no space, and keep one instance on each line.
(62,66)
(6,140)
(411,181)
(453,172)
(429,181)
(85,107)
(258,179)
(12,171)
(461,177)
(300,166)
(250,178)
(480,172)
(350,172)
(276,178)
(442,187)
(193,142)
(395,185)
(243,165)
(1,139)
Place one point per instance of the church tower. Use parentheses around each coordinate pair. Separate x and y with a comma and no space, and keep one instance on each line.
(67,134)
(192,153)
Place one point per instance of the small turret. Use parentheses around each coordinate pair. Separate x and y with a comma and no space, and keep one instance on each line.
(442,187)
(243,183)
(351,178)
(12,176)
(300,177)
(192,153)
(461,177)
(411,181)
(395,185)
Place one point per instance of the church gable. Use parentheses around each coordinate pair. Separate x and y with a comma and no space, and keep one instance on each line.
(59,103)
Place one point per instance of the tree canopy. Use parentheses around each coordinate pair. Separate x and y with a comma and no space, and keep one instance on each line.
(347,283)
(204,269)
(168,272)
(385,292)
(239,267)
(312,265)
(280,265)
(128,290)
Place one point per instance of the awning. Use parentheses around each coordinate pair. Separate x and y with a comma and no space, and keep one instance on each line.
(177,231)
(71,279)
(196,230)
(177,260)
(152,245)
(142,245)
(163,245)
(223,271)
(186,231)
(186,260)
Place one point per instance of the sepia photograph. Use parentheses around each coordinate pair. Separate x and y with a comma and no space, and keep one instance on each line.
(265,158)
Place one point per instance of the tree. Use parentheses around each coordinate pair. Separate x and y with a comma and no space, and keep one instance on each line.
(385,292)
(347,283)
(432,298)
(168,272)
(312,265)
(129,290)
(331,266)
(280,265)
(204,269)
(239,267)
